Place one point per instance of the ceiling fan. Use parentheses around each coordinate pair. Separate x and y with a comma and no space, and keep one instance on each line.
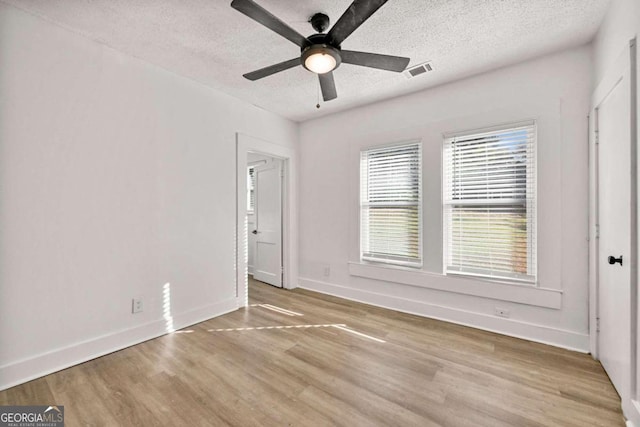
(321,53)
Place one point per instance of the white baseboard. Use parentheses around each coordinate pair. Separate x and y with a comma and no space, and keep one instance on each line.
(25,370)
(515,328)
(631,410)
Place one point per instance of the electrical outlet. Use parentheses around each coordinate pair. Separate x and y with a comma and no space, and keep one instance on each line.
(501,312)
(327,271)
(136,305)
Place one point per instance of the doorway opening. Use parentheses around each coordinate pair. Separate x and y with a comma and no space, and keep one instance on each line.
(265,215)
(264,218)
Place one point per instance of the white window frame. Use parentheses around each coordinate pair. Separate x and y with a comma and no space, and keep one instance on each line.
(531,278)
(390,261)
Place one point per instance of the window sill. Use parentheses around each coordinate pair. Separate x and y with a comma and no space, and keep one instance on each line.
(504,291)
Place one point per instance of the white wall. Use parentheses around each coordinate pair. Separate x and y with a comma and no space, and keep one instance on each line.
(117,177)
(555,91)
(621,24)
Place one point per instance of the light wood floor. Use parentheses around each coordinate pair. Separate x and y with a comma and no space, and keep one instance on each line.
(425,373)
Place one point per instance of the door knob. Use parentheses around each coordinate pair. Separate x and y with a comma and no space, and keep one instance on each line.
(255,232)
(613,260)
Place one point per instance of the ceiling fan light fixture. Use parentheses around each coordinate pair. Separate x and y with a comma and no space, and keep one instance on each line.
(321,59)
(320,63)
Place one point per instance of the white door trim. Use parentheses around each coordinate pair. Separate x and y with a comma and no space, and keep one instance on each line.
(633,58)
(633,407)
(244,144)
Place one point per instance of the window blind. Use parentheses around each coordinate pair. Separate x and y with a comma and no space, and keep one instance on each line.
(490,203)
(390,205)
(251,185)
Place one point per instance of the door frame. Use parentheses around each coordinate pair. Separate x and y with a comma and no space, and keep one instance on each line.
(626,61)
(245,144)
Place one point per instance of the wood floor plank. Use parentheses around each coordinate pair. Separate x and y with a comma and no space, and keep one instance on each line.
(326,361)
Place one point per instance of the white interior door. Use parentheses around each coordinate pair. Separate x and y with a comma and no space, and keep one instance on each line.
(268,223)
(612,114)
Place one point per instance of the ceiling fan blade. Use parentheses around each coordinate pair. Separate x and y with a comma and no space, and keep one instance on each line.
(375,60)
(352,18)
(266,18)
(272,69)
(328,86)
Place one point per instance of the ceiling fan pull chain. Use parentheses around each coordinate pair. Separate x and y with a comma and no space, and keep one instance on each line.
(318,104)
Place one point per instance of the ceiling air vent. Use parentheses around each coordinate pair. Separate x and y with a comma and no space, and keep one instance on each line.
(417,70)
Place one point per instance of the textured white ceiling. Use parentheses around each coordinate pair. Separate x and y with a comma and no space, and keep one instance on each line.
(210,42)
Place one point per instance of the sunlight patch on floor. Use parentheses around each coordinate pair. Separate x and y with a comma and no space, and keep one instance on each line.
(257,328)
(277,309)
(340,326)
(360,334)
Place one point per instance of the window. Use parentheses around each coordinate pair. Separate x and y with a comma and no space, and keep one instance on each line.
(390,211)
(489,200)
(251,185)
